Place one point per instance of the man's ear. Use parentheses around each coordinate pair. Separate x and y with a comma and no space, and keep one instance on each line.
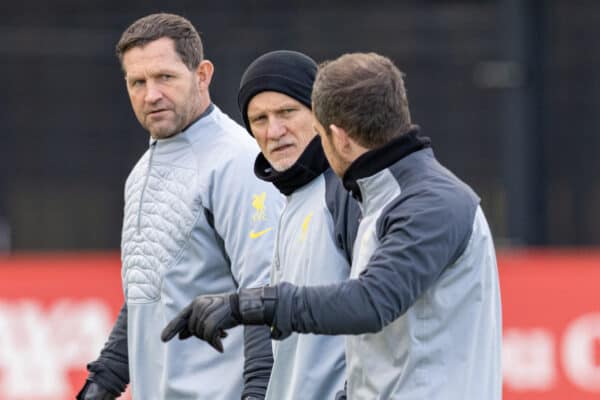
(204,72)
(340,138)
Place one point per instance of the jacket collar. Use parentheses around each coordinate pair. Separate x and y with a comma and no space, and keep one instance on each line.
(382,157)
(310,164)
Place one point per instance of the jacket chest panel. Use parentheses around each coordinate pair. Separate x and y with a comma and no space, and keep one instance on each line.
(160,211)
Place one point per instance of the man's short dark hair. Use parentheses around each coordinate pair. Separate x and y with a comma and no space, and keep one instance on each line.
(364,94)
(188,44)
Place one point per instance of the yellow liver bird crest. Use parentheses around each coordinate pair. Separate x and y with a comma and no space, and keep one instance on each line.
(258,202)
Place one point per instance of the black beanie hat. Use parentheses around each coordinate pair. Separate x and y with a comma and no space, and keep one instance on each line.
(288,72)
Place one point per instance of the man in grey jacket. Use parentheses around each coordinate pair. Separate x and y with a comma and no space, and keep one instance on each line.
(422,306)
(196,221)
(319,220)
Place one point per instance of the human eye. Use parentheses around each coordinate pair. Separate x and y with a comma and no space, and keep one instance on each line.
(166,77)
(257,119)
(134,83)
(288,111)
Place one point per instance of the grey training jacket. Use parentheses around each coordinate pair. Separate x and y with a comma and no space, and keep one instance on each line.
(423,302)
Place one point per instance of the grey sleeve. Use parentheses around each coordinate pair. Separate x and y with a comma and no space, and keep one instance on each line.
(417,241)
(345,212)
(258,355)
(111,369)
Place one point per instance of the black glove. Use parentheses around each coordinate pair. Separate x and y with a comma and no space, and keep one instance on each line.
(207,317)
(93,391)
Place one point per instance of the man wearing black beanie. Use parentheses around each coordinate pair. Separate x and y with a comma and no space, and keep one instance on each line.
(319,221)
(272,82)
(288,72)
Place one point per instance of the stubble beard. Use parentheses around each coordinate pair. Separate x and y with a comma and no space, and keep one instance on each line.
(165,129)
(337,163)
(177,122)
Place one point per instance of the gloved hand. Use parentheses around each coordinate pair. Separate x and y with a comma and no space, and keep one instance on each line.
(208,316)
(93,391)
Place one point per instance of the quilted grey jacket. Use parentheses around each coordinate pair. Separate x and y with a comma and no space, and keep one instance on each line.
(196,221)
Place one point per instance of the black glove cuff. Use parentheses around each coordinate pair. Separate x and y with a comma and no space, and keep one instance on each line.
(269,296)
(234,303)
(257,306)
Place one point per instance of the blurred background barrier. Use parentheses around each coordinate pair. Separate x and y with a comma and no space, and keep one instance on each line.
(551,311)
(56,311)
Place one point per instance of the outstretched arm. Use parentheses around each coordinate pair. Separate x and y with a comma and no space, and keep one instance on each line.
(414,250)
(209,316)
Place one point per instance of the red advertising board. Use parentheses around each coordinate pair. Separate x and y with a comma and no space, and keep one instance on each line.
(551,312)
(56,311)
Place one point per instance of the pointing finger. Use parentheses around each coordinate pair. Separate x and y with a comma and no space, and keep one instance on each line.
(176,325)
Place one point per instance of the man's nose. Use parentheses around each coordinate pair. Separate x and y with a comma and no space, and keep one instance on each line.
(153,93)
(276,128)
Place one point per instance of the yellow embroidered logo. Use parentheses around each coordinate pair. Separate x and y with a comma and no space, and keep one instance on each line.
(254,235)
(304,230)
(258,202)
